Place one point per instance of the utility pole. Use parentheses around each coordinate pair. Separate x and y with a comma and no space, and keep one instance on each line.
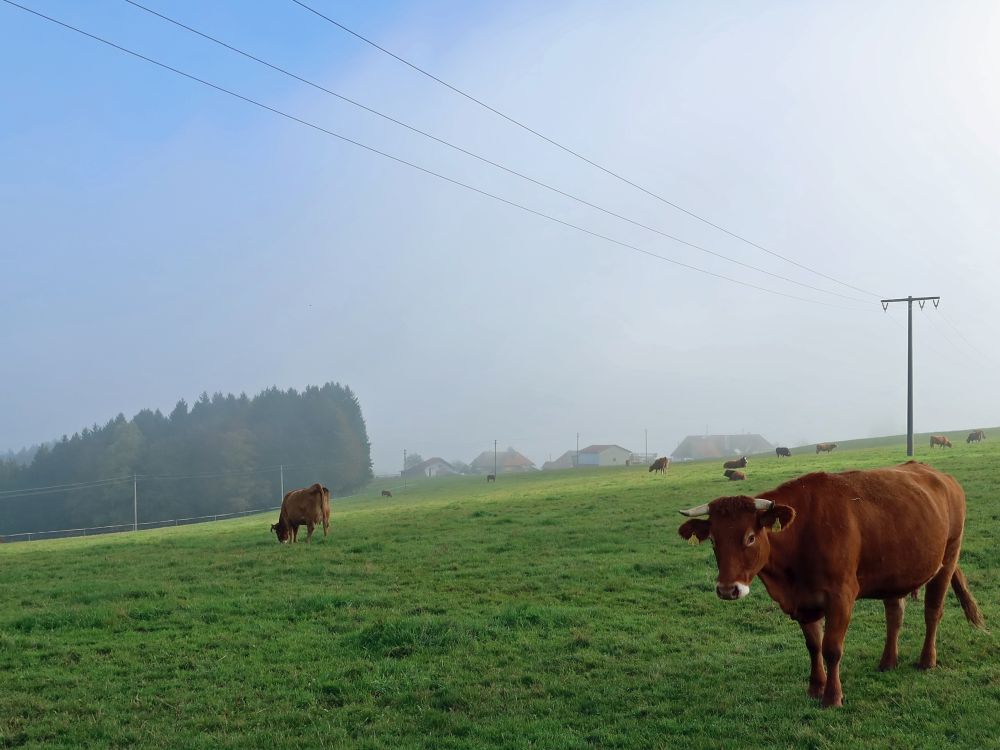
(909,358)
(135,503)
(494,459)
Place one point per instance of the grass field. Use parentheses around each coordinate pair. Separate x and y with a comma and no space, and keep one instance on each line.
(556,610)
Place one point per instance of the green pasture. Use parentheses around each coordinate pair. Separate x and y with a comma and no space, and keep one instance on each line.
(552,610)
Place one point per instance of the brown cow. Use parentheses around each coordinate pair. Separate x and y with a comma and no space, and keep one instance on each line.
(779,452)
(738,463)
(976,436)
(309,506)
(661,464)
(734,475)
(825,447)
(386,493)
(878,534)
(941,440)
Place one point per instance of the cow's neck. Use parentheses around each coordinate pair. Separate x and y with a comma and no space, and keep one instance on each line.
(782,584)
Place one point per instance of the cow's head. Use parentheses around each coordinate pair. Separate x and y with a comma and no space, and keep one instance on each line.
(281,530)
(739,528)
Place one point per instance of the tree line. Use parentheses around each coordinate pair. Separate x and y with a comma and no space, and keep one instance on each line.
(221,455)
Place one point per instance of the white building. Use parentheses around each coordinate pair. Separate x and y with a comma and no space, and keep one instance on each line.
(603,455)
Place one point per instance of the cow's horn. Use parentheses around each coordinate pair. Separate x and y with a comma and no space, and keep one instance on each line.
(762,504)
(701,510)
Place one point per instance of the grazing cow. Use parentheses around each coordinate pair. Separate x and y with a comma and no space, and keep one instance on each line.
(825,447)
(941,440)
(309,506)
(386,493)
(779,452)
(976,436)
(738,463)
(491,477)
(734,475)
(661,464)
(822,541)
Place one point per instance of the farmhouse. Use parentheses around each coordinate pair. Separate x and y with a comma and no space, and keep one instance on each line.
(603,455)
(507,462)
(720,446)
(566,461)
(432,467)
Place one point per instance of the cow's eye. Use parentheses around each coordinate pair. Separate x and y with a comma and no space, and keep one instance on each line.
(751,538)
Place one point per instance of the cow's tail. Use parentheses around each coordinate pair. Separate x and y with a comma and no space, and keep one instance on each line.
(961,588)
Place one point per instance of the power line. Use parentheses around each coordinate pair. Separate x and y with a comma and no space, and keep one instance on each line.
(483,159)
(975,348)
(412,165)
(54,488)
(578,155)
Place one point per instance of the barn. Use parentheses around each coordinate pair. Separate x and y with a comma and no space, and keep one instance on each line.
(432,467)
(604,455)
(695,447)
(507,462)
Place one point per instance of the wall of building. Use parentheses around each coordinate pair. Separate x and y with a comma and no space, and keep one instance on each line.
(613,457)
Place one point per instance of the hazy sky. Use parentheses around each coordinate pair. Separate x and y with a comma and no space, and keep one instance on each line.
(160,238)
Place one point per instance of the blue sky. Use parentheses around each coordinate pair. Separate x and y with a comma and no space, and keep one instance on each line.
(161,239)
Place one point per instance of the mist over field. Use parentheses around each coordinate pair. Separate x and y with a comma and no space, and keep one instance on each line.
(162,239)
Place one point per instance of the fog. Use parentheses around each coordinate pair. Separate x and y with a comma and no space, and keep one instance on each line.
(161,239)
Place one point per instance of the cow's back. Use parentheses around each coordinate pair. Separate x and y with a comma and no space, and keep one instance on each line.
(887,528)
(308,505)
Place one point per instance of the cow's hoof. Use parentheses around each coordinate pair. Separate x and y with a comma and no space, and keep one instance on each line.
(816,690)
(929,664)
(886,664)
(836,702)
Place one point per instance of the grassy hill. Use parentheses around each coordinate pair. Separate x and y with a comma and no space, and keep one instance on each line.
(551,610)
(920,440)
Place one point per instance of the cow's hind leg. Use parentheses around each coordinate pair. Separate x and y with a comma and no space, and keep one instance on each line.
(934,593)
(814,643)
(894,609)
(309,531)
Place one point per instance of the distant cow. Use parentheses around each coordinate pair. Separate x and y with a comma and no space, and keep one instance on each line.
(825,447)
(660,464)
(941,440)
(738,463)
(491,477)
(821,541)
(975,437)
(386,493)
(734,475)
(309,506)
(779,452)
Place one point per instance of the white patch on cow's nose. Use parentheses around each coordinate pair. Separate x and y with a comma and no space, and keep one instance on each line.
(742,590)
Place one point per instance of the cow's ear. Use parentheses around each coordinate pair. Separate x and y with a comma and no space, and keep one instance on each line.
(776,519)
(696,528)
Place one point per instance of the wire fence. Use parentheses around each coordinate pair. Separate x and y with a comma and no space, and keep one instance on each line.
(28,536)
(132,508)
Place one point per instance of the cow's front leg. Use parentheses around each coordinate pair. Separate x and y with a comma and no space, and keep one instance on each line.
(838,617)
(814,642)
(309,531)
(893,622)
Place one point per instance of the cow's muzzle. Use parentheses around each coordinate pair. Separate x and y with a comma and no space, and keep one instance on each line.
(731,591)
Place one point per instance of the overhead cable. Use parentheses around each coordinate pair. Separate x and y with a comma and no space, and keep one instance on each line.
(578,155)
(425,170)
(483,159)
